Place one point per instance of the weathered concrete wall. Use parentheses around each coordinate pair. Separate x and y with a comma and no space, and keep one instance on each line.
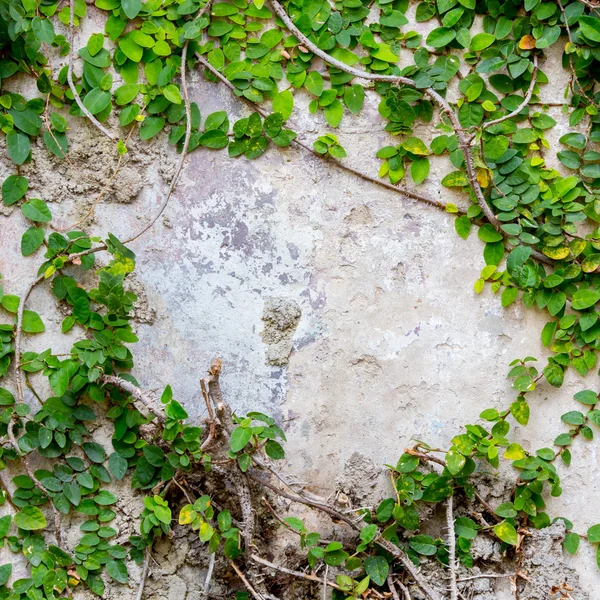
(385,337)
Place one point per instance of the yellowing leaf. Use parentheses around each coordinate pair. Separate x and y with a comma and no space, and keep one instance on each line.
(483,177)
(451,208)
(507,533)
(514,452)
(187,515)
(455,179)
(527,42)
(415,146)
(479,285)
(206,532)
(557,253)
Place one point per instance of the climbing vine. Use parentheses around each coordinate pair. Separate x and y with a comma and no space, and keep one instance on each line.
(476,78)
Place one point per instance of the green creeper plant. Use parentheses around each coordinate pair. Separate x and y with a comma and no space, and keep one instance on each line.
(541,247)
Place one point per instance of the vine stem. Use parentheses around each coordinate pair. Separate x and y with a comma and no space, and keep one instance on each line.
(18,334)
(36,481)
(451,546)
(380,182)
(186,143)
(523,104)
(85,111)
(444,106)
(148,399)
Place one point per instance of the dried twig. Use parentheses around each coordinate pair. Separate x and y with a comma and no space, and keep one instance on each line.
(209,573)
(325,582)
(84,110)
(393,590)
(451,547)
(140,591)
(147,398)
(405,591)
(248,585)
(211,416)
(298,574)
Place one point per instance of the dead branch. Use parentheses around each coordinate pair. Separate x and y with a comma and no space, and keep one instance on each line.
(298,574)
(209,573)
(18,333)
(405,591)
(211,416)
(248,585)
(451,547)
(391,585)
(147,398)
(140,591)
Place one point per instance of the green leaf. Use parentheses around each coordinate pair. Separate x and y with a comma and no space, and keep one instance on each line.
(488,233)
(520,411)
(117,465)
(32,239)
(462,225)
(131,8)
(150,127)
(439,490)
(583,299)
(593,534)
(32,323)
(30,518)
(354,97)
(509,295)
(571,543)
(36,210)
(440,37)
(284,103)
(416,146)
(19,146)
(172,94)
(5,573)
(590,27)
(455,461)
(43,29)
(274,450)
(314,83)
(97,100)
(117,570)
(240,436)
(95,452)
(586,397)
(455,179)
(377,568)
(333,113)
(481,41)
(506,532)
(419,169)
(6,398)
(14,188)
